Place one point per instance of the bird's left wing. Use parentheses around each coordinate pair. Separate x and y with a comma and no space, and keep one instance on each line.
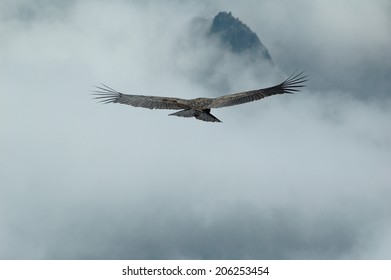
(108,95)
(290,85)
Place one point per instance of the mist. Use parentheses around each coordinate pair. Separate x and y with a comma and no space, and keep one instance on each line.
(304,176)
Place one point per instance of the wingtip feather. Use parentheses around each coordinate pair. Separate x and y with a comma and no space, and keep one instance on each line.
(105,94)
(294,82)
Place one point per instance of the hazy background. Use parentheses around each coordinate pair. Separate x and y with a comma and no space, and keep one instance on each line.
(303,176)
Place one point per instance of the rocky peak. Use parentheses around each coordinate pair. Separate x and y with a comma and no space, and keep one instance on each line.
(236,35)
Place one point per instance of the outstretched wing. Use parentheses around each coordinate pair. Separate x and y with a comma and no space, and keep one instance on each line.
(290,85)
(108,95)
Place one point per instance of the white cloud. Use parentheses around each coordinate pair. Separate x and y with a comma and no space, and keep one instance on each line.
(298,176)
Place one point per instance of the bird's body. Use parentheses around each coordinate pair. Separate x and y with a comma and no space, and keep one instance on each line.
(199,107)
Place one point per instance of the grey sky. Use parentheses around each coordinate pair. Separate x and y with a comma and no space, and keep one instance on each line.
(301,176)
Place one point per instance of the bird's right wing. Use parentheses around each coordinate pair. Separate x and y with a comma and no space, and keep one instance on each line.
(294,83)
(109,95)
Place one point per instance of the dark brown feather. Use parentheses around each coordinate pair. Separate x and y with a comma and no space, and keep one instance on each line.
(290,85)
(109,95)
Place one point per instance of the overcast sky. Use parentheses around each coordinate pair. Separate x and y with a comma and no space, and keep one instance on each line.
(303,176)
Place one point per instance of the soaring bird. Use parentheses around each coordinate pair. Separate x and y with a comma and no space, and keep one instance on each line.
(199,107)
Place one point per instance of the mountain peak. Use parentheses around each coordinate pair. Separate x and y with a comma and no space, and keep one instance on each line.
(237,35)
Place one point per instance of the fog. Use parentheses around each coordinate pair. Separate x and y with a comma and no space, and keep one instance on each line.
(304,176)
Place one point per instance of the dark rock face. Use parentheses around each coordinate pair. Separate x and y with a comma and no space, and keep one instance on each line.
(224,55)
(237,36)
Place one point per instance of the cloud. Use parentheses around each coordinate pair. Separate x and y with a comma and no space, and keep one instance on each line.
(339,43)
(303,176)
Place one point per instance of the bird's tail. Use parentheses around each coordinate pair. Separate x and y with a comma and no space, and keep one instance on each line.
(207,117)
(188,113)
(200,115)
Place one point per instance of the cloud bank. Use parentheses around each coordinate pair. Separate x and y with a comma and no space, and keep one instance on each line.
(303,176)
